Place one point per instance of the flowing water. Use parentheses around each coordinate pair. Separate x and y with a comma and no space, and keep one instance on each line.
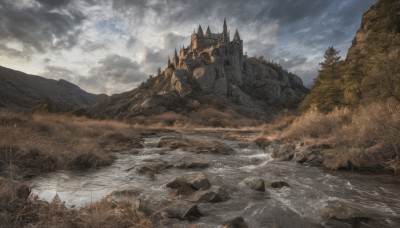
(311,190)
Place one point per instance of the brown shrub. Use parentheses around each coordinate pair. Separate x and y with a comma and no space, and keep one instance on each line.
(366,138)
(19,209)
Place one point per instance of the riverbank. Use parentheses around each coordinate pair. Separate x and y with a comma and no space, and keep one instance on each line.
(365,139)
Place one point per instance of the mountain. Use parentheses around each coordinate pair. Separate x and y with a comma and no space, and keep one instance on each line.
(371,69)
(210,75)
(20,91)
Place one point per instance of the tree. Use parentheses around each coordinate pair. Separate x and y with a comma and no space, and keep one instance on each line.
(327,93)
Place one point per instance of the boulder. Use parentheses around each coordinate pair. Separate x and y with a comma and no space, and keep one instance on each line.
(153,167)
(279,184)
(255,183)
(308,156)
(237,222)
(213,195)
(200,182)
(182,210)
(344,213)
(187,163)
(186,185)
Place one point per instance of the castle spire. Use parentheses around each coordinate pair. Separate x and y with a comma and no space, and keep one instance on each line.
(225,36)
(208,32)
(225,28)
(176,54)
(236,37)
(200,31)
(169,61)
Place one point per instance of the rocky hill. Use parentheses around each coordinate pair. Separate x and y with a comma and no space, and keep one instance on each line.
(210,75)
(20,92)
(370,72)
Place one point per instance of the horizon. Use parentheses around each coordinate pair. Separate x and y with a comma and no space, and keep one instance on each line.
(112,46)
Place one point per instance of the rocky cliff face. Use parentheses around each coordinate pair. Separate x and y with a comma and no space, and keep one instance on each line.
(379,28)
(20,91)
(266,89)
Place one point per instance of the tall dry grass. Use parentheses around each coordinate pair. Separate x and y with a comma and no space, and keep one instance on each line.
(368,137)
(19,209)
(30,144)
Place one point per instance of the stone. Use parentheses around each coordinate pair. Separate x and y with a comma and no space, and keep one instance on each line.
(200,182)
(182,210)
(344,213)
(213,195)
(279,184)
(192,164)
(237,222)
(255,183)
(187,185)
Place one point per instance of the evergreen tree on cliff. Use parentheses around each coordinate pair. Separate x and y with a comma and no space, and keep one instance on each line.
(326,93)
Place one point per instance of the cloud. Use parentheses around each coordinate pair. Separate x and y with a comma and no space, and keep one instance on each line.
(114,73)
(56,72)
(123,41)
(39,28)
(90,46)
(14,53)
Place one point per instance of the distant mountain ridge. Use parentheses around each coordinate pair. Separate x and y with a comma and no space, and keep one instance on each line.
(20,92)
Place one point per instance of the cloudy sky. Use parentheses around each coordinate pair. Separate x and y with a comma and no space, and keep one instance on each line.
(110,46)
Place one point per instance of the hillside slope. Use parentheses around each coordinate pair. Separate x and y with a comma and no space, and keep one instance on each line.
(20,91)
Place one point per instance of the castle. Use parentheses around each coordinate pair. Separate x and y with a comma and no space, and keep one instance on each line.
(212,49)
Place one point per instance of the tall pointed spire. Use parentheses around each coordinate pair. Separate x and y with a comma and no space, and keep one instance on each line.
(200,31)
(225,34)
(176,54)
(169,61)
(236,37)
(225,28)
(208,32)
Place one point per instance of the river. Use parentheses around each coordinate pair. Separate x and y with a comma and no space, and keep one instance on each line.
(300,205)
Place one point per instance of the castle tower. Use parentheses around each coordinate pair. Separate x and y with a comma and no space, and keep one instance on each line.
(176,59)
(236,37)
(200,32)
(225,35)
(208,32)
(169,61)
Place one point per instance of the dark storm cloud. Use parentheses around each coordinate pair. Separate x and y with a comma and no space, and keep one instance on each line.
(37,27)
(111,73)
(117,68)
(54,3)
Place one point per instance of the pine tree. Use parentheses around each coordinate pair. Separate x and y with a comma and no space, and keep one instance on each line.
(326,93)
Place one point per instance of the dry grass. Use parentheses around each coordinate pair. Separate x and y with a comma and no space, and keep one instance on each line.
(207,117)
(19,209)
(366,138)
(37,143)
